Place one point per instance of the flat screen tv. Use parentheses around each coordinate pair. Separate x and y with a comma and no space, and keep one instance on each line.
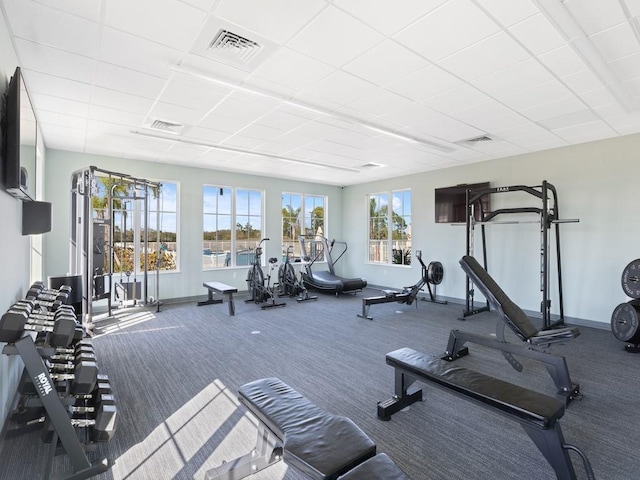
(451,202)
(18,140)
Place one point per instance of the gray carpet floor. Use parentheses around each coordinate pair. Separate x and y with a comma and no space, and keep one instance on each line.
(175,375)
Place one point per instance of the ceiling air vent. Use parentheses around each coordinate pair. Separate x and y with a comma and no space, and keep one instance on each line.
(164,126)
(234,47)
(475,140)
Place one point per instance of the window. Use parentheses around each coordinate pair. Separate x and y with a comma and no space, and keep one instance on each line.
(128,221)
(232,226)
(301,215)
(390,228)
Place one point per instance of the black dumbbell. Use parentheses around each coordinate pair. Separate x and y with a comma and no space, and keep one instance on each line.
(15,321)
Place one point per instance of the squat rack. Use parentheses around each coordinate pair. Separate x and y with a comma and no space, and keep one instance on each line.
(548,216)
(87,235)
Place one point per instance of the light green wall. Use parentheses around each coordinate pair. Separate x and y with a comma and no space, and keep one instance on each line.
(188,281)
(14,267)
(596,182)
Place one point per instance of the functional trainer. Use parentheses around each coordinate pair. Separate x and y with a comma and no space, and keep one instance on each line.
(431,275)
(513,316)
(548,215)
(537,413)
(320,445)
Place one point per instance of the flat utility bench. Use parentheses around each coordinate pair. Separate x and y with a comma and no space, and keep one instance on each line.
(221,288)
(320,445)
(537,413)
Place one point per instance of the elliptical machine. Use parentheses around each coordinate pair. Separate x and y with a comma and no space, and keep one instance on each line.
(288,283)
(261,293)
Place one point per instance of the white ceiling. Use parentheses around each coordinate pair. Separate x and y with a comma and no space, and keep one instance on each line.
(335,84)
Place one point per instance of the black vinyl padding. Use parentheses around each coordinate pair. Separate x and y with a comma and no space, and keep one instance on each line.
(505,397)
(517,320)
(321,445)
(380,466)
(492,291)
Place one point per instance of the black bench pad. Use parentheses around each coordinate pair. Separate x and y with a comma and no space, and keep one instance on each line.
(319,444)
(380,466)
(520,402)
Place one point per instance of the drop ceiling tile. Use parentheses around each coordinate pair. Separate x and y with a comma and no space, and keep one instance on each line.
(379,102)
(282,120)
(270,88)
(128,81)
(136,53)
(425,83)
(508,12)
(583,81)
(43,59)
(451,27)
(598,98)
(634,7)
(595,15)
(96,127)
(54,131)
(315,130)
(61,119)
(293,69)
(121,101)
(262,132)
(245,111)
(569,119)
(294,140)
(55,140)
(413,115)
(169,112)
(494,53)
(458,98)
(169,22)
(339,87)
(207,135)
(53,28)
(385,62)
(211,68)
(115,116)
(562,61)
(448,129)
(348,37)
(201,4)
(278,20)
(385,16)
(59,105)
(89,9)
(537,34)
(490,116)
(595,128)
(60,87)
(241,141)
(515,78)
(186,151)
(616,42)
(626,68)
(537,95)
(223,124)
(201,97)
(633,86)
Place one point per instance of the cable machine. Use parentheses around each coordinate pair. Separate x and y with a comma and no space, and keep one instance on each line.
(548,216)
(93,248)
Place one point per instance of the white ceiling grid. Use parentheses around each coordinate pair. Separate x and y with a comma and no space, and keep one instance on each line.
(336,84)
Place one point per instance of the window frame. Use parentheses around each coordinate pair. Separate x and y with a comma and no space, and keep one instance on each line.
(301,219)
(387,241)
(233,214)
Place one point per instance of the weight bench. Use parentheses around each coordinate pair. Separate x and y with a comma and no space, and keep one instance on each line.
(537,413)
(512,316)
(292,428)
(222,288)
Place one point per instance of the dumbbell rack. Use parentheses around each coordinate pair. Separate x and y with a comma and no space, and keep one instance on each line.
(56,412)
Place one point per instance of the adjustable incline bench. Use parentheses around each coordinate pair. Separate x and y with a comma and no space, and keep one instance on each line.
(320,445)
(513,316)
(537,413)
(222,288)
